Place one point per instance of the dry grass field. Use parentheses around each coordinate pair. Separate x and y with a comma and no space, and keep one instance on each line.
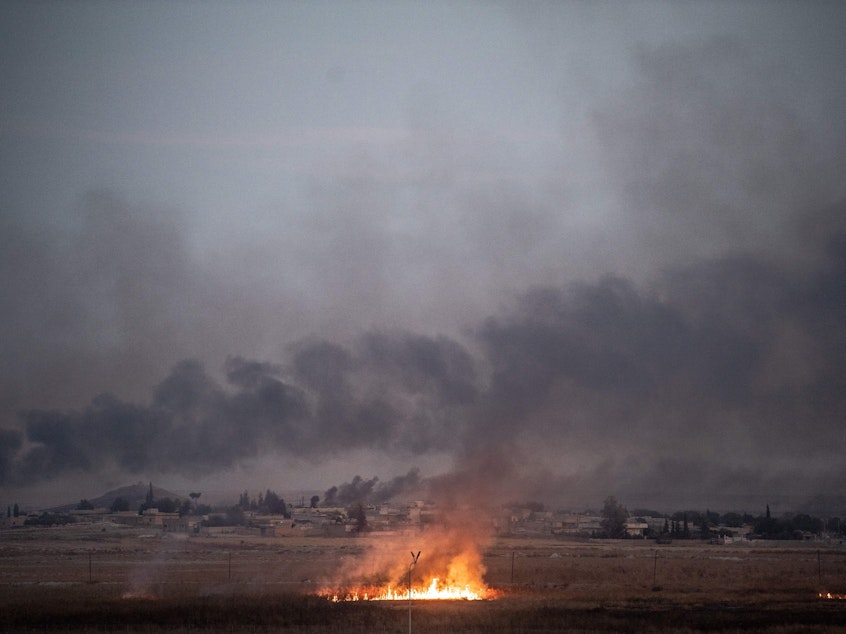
(86,579)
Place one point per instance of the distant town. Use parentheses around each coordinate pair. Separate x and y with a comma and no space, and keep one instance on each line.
(267,514)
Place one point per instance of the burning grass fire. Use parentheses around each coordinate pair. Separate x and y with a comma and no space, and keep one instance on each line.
(460,582)
(451,570)
(445,564)
(435,591)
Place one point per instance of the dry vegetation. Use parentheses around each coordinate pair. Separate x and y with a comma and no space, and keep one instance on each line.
(87,579)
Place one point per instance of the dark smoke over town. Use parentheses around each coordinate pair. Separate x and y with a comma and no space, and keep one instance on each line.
(613,262)
(606,368)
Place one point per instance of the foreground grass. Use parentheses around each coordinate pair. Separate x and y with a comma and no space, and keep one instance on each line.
(120,580)
(82,612)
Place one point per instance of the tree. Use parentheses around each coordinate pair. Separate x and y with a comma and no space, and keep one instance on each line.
(149,500)
(16,511)
(767,526)
(244,500)
(84,505)
(705,527)
(275,504)
(119,504)
(614,517)
(315,499)
(805,523)
(235,516)
(167,505)
(195,495)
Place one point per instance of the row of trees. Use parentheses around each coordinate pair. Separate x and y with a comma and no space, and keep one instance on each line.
(270,503)
(164,505)
(689,524)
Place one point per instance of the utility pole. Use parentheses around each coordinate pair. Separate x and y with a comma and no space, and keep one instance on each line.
(414,559)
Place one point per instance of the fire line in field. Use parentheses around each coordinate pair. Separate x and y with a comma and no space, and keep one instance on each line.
(433,592)
(450,569)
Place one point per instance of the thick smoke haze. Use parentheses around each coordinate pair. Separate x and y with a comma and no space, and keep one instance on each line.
(474,250)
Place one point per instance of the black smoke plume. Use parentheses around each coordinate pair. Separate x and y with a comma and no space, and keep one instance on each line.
(735,362)
(373,491)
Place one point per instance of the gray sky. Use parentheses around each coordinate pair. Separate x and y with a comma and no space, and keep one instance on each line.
(280,244)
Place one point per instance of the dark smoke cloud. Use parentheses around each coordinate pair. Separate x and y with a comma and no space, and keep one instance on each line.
(10,444)
(340,417)
(738,358)
(373,491)
(192,425)
(424,365)
(96,299)
(671,326)
(334,400)
(436,378)
(609,337)
(712,152)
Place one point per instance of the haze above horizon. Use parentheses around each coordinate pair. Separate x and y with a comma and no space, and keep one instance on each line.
(554,251)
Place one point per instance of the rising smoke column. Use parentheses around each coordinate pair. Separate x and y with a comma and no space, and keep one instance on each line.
(698,380)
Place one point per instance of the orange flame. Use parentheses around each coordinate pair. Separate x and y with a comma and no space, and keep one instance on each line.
(450,568)
(436,590)
(829,595)
(449,577)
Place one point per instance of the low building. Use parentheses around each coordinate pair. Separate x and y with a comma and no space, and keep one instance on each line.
(636,529)
(576,524)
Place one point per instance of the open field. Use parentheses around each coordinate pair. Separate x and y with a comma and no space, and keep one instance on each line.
(86,579)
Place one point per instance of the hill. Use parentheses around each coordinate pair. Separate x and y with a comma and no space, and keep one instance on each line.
(135,494)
